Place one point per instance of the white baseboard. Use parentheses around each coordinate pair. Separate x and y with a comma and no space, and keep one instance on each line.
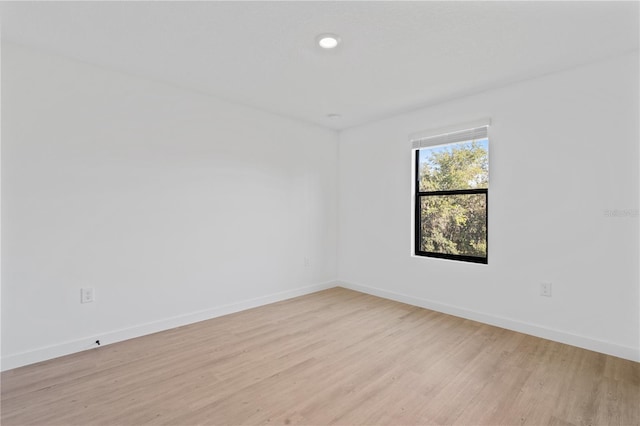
(70,347)
(584,342)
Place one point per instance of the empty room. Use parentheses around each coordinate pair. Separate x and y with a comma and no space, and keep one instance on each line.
(353,213)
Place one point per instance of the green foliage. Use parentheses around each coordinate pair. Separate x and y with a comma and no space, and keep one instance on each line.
(461,166)
(455,224)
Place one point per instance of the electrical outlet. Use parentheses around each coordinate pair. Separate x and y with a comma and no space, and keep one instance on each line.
(545,289)
(86,295)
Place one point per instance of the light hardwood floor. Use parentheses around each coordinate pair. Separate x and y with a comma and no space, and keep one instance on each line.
(333,357)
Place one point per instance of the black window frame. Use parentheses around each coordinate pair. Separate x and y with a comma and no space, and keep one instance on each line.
(418,218)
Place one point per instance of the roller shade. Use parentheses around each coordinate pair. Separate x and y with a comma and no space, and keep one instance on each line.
(449,135)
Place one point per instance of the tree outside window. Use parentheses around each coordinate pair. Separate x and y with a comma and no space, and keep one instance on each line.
(452,184)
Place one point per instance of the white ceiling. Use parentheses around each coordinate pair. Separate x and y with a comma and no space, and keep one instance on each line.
(395,56)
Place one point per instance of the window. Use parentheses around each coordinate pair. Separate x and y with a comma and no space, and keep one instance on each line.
(451,195)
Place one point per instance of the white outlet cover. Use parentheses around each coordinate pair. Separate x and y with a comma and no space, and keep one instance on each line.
(545,289)
(86,295)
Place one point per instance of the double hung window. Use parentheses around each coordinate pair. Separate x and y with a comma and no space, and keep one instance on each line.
(452,195)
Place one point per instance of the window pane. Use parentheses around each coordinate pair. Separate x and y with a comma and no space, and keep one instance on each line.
(454,224)
(463,165)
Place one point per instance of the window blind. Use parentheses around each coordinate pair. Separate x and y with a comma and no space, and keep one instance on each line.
(451,136)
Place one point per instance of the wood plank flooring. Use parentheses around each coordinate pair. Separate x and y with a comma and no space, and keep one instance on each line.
(332,357)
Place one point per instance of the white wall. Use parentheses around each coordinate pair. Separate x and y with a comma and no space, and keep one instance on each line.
(174,206)
(563,149)
(177,207)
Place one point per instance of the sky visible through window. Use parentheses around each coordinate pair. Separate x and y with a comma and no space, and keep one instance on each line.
(426,153)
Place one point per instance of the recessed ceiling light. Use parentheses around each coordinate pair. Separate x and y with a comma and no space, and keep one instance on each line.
(328,41)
